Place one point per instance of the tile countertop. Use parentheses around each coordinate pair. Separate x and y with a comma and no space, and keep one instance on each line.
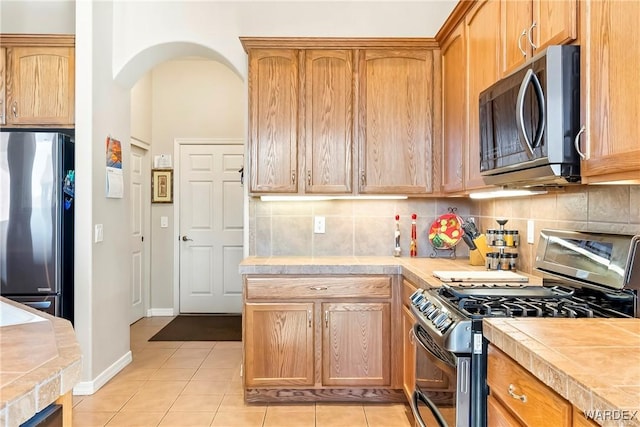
(593,363)
(417,270)
(39,362)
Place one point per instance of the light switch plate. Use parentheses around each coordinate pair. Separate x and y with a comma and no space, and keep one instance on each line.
(98,234)
(318,224)
(164,221)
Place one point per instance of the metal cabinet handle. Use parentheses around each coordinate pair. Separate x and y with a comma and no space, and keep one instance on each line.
(293,177)
(533,45)
(309,317)
(309,177)
(14,109)
(576,143)
(186,239)
(318,288)
(362,178)
(1,111)
(326,319)
(524,33)
(511,391)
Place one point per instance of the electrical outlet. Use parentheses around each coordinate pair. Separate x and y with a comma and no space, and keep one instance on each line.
(318,224)
(530,232)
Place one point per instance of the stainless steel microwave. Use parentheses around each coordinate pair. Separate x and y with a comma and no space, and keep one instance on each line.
(529,121)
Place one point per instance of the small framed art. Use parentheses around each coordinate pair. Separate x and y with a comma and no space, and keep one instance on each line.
(162,186)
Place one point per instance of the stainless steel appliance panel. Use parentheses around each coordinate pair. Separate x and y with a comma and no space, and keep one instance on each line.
(442,395)
(36,226)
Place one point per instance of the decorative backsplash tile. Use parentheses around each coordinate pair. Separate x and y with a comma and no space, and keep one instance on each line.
(366,227)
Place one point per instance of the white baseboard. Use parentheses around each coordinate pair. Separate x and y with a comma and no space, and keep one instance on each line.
(84,388)
(152,312)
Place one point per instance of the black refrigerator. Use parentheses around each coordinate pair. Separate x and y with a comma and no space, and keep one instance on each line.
(37,182)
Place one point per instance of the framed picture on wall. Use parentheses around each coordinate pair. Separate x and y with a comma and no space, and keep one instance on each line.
(162,186)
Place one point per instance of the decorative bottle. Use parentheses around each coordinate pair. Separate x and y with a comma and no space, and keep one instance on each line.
(397,250)
(413,249)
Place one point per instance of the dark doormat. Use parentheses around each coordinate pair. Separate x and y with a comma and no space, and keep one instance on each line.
(211,327)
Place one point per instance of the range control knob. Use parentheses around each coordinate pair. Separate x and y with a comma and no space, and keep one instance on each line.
(417,296)
(430,309)
(424,304)
(433,314)
(439,320)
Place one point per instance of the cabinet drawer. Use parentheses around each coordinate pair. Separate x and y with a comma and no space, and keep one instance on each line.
(408,288)
(316,287)
(540,405)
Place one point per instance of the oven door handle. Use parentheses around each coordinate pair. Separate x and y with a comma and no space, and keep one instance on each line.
(419,396)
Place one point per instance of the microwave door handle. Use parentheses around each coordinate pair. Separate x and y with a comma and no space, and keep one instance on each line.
(541,109)
(526,144)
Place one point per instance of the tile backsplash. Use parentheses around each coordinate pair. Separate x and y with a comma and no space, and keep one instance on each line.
(352,227)
(366,227)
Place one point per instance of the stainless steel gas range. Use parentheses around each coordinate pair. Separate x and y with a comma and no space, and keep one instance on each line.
(584,275)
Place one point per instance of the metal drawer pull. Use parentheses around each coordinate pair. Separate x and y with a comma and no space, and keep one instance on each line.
(318,288)
(309,317)
(521,397)
(326,319)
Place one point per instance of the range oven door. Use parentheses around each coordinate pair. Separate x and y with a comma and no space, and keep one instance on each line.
(441,396)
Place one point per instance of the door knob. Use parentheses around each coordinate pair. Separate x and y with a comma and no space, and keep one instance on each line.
(186,239)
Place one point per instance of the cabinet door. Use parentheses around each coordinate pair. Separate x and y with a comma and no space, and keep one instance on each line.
(609,39)
(356,344)
(483,62)
(516,20)
(498,415)
(530,26)
(409,352)
(3,75)
(328,119)
(556,22)
(278,341)
(273,120)
(395,121)
(454,107)
(40,86)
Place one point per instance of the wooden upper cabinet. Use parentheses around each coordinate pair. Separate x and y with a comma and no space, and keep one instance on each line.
(356,340)
(395,121)
(273,120)
(328,121)
(3,61)
(531,26)
(454,109)
(609,38)
(40,85)
(483,69)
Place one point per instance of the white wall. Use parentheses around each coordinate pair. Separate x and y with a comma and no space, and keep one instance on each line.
(103,270)
(141,99)
(38,17)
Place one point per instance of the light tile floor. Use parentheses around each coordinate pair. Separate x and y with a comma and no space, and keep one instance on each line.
(183,384)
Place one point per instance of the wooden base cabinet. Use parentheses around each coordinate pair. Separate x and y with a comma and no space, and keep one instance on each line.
(309,338)
(518,399)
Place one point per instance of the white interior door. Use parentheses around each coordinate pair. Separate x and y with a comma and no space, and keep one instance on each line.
(211,228)
(139,247)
